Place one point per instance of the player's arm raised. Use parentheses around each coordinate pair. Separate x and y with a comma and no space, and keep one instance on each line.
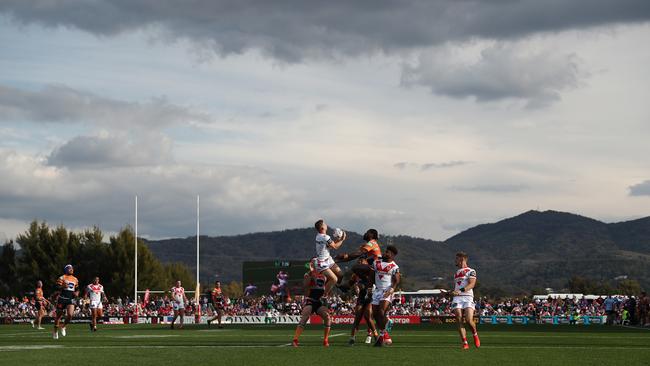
(346,257)
(335,244)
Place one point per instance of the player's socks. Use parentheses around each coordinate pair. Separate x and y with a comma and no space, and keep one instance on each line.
(477,341)
(297,333)
(63,332)
(380,339)
(387,339)
(31,321)
(55,335)
(294,343)
(326,334)
(465,345)
(389,325)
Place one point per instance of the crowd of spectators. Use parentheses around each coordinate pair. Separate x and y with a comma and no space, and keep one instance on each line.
(619,309)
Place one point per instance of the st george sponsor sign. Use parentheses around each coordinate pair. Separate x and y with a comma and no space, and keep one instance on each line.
(349,319)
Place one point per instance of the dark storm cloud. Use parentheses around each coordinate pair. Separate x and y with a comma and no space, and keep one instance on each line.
(292,30)
(61,104)
(641,189)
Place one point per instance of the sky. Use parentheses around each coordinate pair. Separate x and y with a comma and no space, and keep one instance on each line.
(421,118)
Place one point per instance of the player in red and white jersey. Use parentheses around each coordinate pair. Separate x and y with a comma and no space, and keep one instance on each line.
(324,262)
(178,302)
(463,301)
(95,291)
(387,278)
(218,303)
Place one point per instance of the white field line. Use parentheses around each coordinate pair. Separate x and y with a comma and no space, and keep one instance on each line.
(44,347)
(634,327)
(400,335)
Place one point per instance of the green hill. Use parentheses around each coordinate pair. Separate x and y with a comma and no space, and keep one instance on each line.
(533,250)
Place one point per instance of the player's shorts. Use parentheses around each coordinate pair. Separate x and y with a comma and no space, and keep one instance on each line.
(378,296)
(96,305)
(323,264)
(315,305)
(178,305)
(64,302)
(462,302)
(365,297)
(39,305)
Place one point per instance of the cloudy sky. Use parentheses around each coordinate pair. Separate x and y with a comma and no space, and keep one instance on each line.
(414,117)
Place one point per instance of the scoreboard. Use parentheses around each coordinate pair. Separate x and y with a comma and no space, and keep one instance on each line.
(263,274)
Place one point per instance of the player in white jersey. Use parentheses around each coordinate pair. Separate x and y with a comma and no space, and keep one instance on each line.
(387,278)
(178,302)
(463,301)
(95,291)
(324,263)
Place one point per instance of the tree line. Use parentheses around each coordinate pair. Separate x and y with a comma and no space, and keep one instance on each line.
(44,251)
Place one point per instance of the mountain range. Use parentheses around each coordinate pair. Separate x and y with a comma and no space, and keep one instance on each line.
(532,251)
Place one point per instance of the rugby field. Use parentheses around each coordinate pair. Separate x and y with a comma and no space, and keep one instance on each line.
(270,345)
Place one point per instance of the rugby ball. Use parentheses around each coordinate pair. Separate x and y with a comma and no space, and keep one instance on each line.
(338,234)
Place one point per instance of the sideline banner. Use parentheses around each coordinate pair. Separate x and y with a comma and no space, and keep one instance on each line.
(349,319)
(554,320)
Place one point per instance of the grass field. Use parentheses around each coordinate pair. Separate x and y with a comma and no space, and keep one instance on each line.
(270,345)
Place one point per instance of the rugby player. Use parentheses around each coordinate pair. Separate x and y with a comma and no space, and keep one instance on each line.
(40,302)
(67,291)
(369,250)
(463,301)
(95,291)
(387,278)
(324,263)
(362,309)
(314,284)
(218,303)
(178,303)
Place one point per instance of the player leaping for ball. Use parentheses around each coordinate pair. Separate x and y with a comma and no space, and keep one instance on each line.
(362,310)
(95,291)
(65,299)
(463,301)
(314,284)
(324,263)
(368,253)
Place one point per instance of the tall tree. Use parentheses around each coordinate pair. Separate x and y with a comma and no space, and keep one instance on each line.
(8,272)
